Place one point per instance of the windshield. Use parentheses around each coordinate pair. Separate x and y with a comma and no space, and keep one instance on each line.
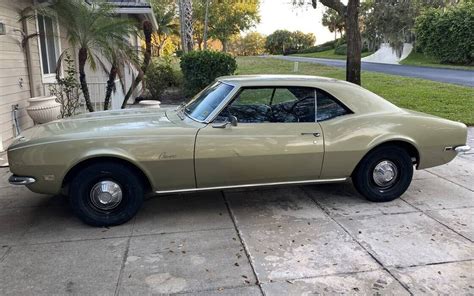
(206,101)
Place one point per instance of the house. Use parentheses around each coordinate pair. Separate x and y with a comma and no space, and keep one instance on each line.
(27,68)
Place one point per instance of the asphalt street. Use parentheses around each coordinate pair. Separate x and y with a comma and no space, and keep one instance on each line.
(461,77)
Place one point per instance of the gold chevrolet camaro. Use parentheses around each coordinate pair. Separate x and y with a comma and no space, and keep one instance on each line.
(241,131)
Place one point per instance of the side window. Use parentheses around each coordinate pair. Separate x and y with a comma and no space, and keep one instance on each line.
(283,95)
(254,96)
(281,104)
(293,104)
(252,105)
(329,107)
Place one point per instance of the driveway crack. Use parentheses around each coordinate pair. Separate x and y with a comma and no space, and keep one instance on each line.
(360,244)
(6,254)
(124,259)
(242,242)
(444,178)
(426,213)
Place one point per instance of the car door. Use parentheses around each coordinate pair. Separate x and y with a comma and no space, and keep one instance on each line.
(277,139)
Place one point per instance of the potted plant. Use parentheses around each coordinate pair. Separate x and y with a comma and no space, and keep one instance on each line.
(43,109)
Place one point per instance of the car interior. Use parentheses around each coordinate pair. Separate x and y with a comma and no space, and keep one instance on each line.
(282,104)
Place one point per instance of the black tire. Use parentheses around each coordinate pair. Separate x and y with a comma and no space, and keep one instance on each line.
(130,186)
(368,184)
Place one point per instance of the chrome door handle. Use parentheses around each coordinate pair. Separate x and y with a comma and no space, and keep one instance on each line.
(317,135)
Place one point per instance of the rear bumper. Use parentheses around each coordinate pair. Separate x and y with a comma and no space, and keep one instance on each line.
(21,180)
(462,149)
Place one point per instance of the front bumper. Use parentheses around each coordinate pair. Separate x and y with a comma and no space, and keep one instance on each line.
(462,149)
(21,180)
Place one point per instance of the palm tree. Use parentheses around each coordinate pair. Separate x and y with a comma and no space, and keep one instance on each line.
(166,28)
(120,57)
(147,33)
(90,28)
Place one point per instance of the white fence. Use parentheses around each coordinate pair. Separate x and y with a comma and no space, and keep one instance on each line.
(97,94)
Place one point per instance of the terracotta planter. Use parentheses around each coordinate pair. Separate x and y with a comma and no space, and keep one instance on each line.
(43,109)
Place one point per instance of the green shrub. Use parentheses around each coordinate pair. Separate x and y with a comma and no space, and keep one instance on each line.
(322,47)
(200,68)
(160,76)
(341,49)
(447,34)
(331,43)
(339,42)
(278,42)
(286,42)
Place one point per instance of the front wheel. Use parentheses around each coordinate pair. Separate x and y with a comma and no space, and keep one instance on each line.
(106,194)
(384,174)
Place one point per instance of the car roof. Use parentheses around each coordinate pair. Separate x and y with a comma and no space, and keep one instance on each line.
(358,99)
(246,80)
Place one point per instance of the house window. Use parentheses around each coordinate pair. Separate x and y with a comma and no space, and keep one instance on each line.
(49,43)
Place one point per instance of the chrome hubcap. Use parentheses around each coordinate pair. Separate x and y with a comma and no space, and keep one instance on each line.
(106,195)
(385,174)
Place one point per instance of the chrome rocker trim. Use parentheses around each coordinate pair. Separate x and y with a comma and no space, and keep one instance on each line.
(462,149)
(252,185)
(19,180)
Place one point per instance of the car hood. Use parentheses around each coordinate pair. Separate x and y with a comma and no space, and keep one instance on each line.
(128,122)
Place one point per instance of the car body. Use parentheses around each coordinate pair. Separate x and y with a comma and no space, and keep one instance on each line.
(297,137)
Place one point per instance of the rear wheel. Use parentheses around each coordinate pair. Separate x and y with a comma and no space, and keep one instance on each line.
(384,174)
(106,194)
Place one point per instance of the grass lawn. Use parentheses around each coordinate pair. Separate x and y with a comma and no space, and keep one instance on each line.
(328,54)
(441,99)
(419,59)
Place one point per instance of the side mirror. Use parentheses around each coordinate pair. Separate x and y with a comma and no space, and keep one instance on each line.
(232,121)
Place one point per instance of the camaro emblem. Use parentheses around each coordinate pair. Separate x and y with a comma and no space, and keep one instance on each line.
(165,155)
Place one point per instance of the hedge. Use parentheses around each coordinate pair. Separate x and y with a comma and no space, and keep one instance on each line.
(447,34)
(200,68)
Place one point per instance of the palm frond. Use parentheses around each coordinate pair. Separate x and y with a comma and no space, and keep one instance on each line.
(102,64)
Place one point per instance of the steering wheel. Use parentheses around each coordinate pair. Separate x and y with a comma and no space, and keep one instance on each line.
(300,113)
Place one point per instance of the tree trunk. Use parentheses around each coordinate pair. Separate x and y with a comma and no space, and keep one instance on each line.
(353,66)
(224,45)
(110,86)
(199,41)
(147,31)
(206,24)
(82,78)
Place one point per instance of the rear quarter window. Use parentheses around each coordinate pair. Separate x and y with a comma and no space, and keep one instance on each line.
(329,107)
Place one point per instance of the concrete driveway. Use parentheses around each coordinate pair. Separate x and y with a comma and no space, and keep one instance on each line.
(282,241)
(461,77)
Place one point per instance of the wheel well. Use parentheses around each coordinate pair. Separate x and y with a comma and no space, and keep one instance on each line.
(79,166)
(408,147)
(412,151)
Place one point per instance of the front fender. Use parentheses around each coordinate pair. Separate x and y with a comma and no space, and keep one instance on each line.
(101,154)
